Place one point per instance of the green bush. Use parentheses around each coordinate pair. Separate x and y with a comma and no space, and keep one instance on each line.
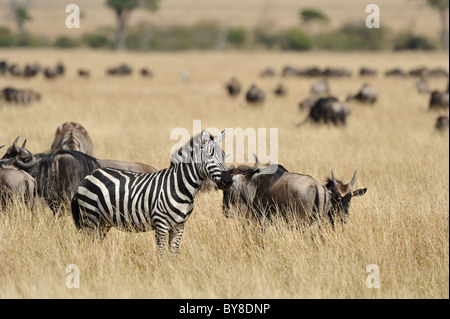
(353,37)
(237,36)
(96,40)
(408,41)
(65,42)
(6,37)
(295,39)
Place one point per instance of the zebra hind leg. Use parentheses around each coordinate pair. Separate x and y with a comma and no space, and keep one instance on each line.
(175,235)
(161,238)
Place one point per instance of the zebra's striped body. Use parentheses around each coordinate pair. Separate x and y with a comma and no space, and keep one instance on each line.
(138,202)
(72,136)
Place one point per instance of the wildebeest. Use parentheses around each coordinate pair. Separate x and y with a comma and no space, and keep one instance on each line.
(365,71)
(72,136)
(272,190)
(3,67)
(395,72)
(233,87)
(280,90)
(367,95)
(84,73)
(421,72)
(290,71)
(320,88)
(268,72)
(328,110)
(16,181)
(439,100)
(336,72)
(146,72)
(255,95)
(122,69)
(20,96)
(442,123)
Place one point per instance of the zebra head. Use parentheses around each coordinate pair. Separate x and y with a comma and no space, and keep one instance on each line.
(212,160)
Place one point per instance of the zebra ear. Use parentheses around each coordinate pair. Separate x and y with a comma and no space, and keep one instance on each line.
(206,136)
(219,138)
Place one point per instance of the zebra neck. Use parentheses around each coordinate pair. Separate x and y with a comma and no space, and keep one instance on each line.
(189,179)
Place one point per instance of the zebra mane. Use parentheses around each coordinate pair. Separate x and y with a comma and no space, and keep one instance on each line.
(187,153)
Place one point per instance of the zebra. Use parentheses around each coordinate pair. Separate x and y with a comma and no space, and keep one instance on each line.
(72,136)
(160,201)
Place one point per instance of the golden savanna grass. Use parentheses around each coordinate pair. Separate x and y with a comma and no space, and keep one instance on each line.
(400,224)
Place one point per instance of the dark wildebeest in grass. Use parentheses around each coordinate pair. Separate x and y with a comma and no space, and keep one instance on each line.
(366,95)
(19,96)
(327,110)
(72,136)
(395,72)
(145,72)
(272,190)
(233,87)
(84,73)
(280,90)
(365,71)
(439,100)
(122,69)
(255,95)
(268,72)
(442,123)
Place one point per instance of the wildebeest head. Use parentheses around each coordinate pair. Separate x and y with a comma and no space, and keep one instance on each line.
(341,195)
(14,151)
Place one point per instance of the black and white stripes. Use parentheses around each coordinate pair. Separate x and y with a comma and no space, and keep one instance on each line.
(163,201)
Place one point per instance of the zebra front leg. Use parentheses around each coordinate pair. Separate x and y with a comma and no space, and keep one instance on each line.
(175,235)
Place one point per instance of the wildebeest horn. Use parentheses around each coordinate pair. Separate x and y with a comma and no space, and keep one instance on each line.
(333,179)
(16,148)
(353,180)
(28,164)
(24,143)
(2,146)
(256,163)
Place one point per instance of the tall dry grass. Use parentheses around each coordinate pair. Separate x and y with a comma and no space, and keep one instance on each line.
(400,224)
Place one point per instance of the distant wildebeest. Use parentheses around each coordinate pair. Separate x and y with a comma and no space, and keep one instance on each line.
(311,72)
(72,136)
(50,73)
(367,95)
(268,72)
(272,190)
(320,88)
(233,87)
(84,73)
(31,70)
(280,90)
(146,72)
(3,67)
(122,69)
(336,72)
(60,69)
(442,123)
(439,100)
(365,71)
(395,72)
(328,110)
(255,95)
(438,72)
(20,96)
(421,72)
(290,71)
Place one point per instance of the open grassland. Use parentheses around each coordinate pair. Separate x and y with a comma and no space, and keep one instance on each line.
(401,224)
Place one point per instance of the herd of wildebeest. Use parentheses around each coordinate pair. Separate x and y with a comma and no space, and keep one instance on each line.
(54,176)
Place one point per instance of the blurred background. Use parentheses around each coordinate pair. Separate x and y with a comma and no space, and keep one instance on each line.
(168,25)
